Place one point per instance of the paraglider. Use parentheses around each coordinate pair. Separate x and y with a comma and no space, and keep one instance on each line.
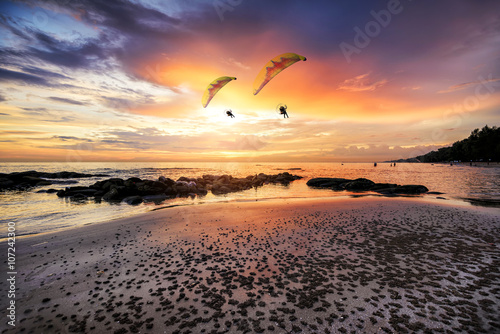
(273,68)
(213,88)
(283,111)
(229,113)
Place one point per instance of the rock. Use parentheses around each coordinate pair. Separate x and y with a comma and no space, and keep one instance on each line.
(491,202)
(133,200)
(209,178)
(170,191)
(155,198)
(69,175)
(165,180)
(262,177)
(135,190)
(78,197)
(363,184)
(113,182)
(63,182)
(384,188)
(326,182)
(159,185)
(202,192)
(131,184)
(185,179)
(97,185)
(33,180)
(221,190)
(59,175)
(111,195)
(359,184)
(180,189)
(201,182)
(411,189)
(51,190)
(134,179)
(279,179)
(71,191)
(6,183)
(43,183)
(123,191)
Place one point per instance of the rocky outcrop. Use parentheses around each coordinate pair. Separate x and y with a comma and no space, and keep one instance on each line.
(359,185)
(133,200)
(29,179)
(362,184)
(327,182)
(134,190)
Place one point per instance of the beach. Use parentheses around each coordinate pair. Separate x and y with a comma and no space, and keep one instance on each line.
(361,265)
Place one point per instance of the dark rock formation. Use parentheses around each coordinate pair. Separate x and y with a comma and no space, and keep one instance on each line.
(363,184)
(133,200)
(411,189)
(29,179)
(359,185)
(135,191)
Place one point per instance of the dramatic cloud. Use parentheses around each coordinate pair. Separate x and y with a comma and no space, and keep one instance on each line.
(71,138)
(8,75)
(68,101)
(126,78)
(361,83)
(43,73)
(465,85)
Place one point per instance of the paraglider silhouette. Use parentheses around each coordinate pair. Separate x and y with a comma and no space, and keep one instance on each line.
(229,113)
(273,68)
(213,88)
(283,111)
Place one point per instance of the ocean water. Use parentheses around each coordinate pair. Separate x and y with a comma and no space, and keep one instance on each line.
(36,212)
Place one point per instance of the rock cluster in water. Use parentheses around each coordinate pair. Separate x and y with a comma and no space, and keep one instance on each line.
(362,184)
(29,179)
(135,191)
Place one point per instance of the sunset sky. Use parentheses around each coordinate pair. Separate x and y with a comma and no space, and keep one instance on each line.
(96,80)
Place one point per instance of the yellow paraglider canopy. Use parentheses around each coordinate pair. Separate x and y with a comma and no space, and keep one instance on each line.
(213,88)
(273,68)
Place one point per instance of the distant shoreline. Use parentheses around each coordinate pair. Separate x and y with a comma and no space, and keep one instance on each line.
(474,163)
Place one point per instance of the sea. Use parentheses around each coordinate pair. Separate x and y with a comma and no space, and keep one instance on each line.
(36,212)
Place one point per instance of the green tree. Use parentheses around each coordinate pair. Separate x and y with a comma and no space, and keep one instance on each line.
(481,145)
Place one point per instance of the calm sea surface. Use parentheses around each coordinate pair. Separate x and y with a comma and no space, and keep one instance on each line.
(41,212)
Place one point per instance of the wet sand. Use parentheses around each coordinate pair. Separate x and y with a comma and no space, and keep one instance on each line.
(366,265)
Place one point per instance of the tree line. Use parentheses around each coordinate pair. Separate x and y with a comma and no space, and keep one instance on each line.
(482,145)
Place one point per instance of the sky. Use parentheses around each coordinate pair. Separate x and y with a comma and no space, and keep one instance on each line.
(96,80)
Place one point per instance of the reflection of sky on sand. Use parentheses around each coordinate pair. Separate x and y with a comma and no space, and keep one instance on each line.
(315,265)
